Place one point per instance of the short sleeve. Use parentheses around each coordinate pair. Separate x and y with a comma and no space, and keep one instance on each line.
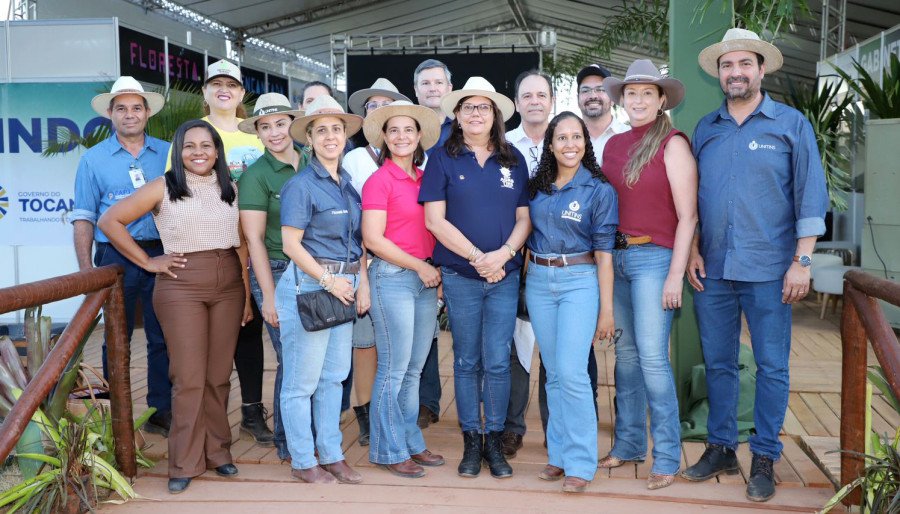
(434,181)
(604,218)
(296,204)
(376,191)
(87,194)
(253,190)
(521,176)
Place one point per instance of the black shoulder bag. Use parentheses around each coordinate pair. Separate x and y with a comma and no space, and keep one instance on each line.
(320,309)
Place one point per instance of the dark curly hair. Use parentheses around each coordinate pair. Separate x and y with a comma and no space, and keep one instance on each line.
(455,142)
(176,178)
(546,171)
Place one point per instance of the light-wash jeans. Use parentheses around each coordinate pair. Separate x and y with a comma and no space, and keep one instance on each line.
(482,321)
(563,304)
(719,309)
(315,364)
(277,266)
(404,312)
(643,371)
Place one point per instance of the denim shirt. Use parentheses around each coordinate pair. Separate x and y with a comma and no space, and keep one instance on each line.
(104,177)
(580,217)
(761,188)
(326,212)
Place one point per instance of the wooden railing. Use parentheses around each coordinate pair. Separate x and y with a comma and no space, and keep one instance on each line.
(103,287)
(862,319)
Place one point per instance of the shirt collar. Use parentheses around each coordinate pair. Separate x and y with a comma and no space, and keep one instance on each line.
(321,172)
(115,145)
(582,177)
(766,108)
(276,165)
(397,172)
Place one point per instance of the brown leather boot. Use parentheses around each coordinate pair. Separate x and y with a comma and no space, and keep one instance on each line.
(343,472)
(426,458)
(313,475)
(405,469)
(551,473)
(574,485)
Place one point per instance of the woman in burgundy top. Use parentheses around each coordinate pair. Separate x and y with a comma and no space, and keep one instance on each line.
(655,176)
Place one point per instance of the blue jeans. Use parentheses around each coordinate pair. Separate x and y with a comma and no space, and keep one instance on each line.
(719,309)
(277,266)
(430,384)
(315,363)
(404,312)
(482,321)
(563,304)
(139,284)
(643,371)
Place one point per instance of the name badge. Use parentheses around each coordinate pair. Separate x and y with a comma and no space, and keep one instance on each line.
(137,177)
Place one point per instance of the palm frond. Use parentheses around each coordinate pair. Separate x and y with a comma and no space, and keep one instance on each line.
(882,100)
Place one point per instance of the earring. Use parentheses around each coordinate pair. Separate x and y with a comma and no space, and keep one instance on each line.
(659,112)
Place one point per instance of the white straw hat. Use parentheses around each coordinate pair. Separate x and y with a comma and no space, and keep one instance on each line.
(322,107)
(381,87)
(429,123)
(126,85)
(266,104)
(740,40)
(478,86)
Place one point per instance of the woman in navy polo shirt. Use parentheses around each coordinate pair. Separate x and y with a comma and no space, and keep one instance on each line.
(574,214)
(320,211)
(476,205)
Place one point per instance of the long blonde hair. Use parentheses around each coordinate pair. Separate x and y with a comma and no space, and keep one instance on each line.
(643,151)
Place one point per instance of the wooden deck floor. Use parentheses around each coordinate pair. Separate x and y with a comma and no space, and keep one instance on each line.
(265,485)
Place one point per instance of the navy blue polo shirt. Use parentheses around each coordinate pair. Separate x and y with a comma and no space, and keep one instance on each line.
(313,202)
(446,128)
(481,202)
(580,217)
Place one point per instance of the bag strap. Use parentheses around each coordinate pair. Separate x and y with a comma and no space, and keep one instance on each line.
(372,154)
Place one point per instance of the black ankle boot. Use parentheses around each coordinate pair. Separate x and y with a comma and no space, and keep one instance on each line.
(253,421)
(473,447)
(493,455)
(362,417)
(716,459)
(761,485)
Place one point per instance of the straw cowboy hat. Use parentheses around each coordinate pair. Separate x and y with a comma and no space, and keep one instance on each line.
(738,40)
(126,85)
(642,71)
(381,87)
(266,104)
(223,68)
(478,86)
(322,107)
(429,123)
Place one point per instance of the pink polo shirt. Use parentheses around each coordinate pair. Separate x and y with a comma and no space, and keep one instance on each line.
(390,189)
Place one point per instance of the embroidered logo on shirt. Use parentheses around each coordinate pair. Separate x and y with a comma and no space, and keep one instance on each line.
(572,213)
(754,145)
(507,180)
(462,177)
(344,211)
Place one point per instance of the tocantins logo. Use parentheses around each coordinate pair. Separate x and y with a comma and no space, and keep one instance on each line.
(4,202)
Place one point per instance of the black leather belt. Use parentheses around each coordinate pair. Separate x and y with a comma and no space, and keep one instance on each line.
(143,243)
(350,268)
(564,260)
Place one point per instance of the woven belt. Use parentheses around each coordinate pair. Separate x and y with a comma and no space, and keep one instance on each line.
(623,241)
(564,260)
(349,268)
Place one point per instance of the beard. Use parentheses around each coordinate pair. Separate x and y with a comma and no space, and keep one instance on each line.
(748,93)
(594,111)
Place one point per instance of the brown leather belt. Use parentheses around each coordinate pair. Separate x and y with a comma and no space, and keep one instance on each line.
(349,268)
(637,240)
(564,260)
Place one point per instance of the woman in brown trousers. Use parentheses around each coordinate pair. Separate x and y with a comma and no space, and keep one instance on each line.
(200,294)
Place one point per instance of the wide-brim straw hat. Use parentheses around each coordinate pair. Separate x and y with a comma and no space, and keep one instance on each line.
(478,86)
(382,87)
(268,104)
(322,107)
(126,85)
(429,123)
(643,71)
(736,40)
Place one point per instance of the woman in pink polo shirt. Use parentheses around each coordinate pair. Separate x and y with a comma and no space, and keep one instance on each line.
(403,281)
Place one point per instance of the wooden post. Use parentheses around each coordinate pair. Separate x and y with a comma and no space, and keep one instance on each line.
(853,392)
(118,359)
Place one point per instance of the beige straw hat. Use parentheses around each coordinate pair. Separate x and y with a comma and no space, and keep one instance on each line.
(266,104)
(737,40)
(478,86)
(322,107)
(429,123)
(382,87)
(126,85)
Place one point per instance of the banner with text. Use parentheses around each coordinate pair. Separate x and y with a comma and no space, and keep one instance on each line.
(36,192)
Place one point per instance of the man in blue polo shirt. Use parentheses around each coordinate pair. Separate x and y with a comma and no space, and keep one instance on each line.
(108,172)
(431,82)
(762,202)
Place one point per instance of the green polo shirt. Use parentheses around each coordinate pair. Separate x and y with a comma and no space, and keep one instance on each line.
(260,190)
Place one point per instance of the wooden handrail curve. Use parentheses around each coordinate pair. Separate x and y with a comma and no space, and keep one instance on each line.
(862,320)
(104,289)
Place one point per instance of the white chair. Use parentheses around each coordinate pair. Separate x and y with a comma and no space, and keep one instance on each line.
(819,261)
(829,281)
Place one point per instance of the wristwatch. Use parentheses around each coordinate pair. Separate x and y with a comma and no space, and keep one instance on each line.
(512,253)
(804,260)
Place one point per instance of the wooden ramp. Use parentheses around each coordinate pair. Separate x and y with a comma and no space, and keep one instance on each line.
(265,485)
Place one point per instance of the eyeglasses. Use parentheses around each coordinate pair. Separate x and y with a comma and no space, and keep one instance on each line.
(533,152)
(483,109)
(371,106)
(588,90)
